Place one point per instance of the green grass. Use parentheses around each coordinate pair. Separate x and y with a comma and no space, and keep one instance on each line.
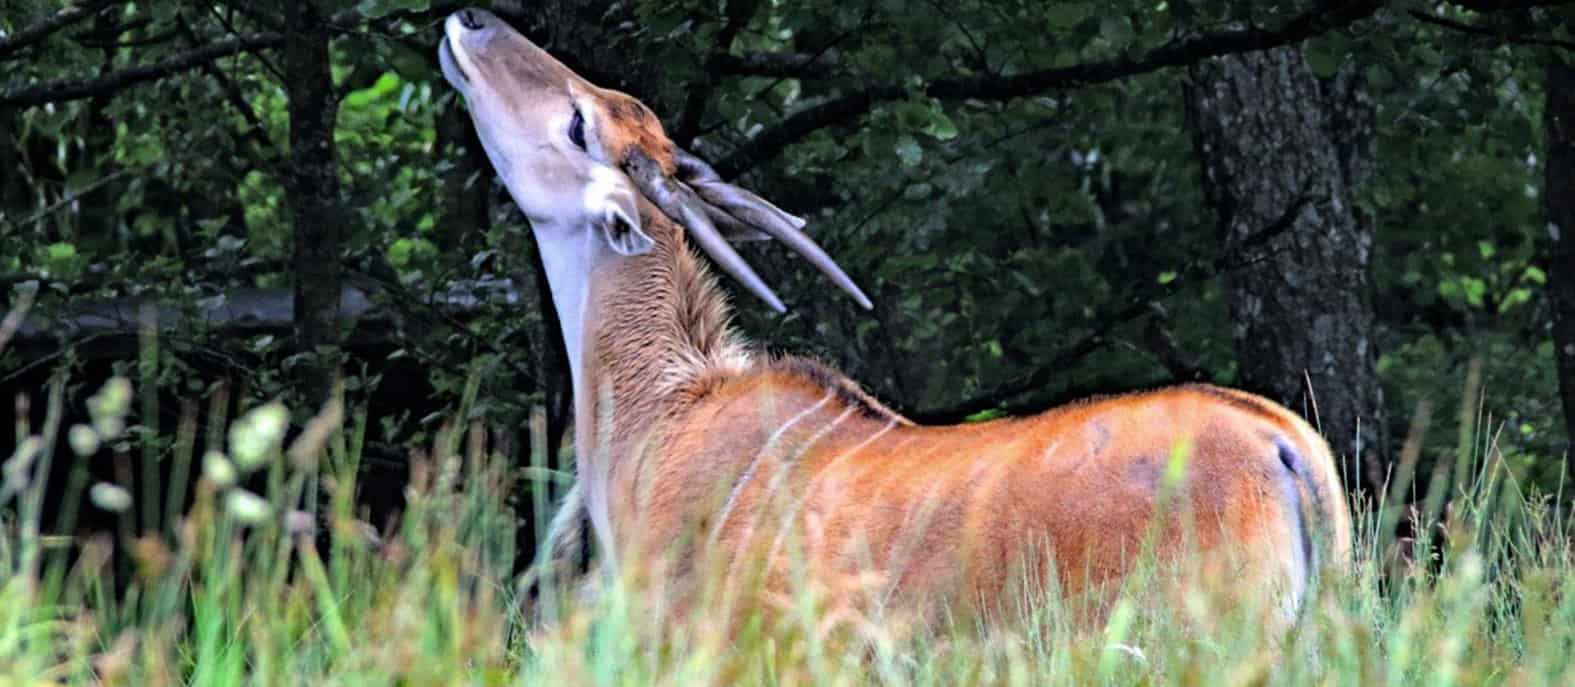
(237,592)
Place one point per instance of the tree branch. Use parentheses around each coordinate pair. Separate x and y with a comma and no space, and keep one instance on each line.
(1501,5)
(67,200)
(29,35)
(1145,304)
(1499,35)
(783,65)
(112,44)
(1158,341)
(738,16)
(1000,397)
(1182,52)
(63,90)
(225,20)
(257,132)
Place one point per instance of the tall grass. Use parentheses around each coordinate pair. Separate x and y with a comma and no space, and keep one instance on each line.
(278,586)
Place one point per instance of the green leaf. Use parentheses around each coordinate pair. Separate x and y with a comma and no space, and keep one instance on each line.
(909,151)
(1321,59)
(1561,32)
(1475,289)
(1117,29)
(373,9)
(163,11)
(61,251)
(985,415)
(1428,55)
(211,226)
(942,128)
(1065,15)
(81,179)
(925,118)
(385,85)
(404,253)
(398,253)
(61,261)
(146,225)
(1378,78)
(1515,297)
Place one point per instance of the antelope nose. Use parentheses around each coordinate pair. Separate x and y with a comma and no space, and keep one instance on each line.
(470,19)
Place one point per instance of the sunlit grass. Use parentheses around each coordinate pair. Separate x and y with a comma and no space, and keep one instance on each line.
(285,585)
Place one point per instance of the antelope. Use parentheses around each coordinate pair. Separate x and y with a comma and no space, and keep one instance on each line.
(695,451)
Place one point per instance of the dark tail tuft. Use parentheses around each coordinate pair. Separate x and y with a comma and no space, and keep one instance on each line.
(1307,494)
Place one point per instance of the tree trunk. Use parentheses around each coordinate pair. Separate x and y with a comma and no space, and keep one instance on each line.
(1558,193)
(467,185)
(312,184)
(1282,155)
(13,194)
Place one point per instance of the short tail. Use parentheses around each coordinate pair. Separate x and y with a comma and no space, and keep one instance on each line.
(1323,521)
(568,543)
(564,556)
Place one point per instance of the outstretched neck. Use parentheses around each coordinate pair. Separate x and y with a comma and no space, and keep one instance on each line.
(568,256)
(639,331)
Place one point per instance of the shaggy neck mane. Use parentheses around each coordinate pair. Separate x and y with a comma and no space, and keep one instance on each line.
(656,341)
(660,325)
(654,325)
(660,339)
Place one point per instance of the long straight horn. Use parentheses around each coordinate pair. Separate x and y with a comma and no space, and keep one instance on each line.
(681,203)
(753,211)
(709,185)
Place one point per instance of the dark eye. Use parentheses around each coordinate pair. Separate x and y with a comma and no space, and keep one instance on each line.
(577,130)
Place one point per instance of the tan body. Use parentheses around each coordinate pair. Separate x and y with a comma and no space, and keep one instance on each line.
(700,459)
(782,462)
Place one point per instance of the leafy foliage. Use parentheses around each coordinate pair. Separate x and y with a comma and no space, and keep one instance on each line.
(999,235)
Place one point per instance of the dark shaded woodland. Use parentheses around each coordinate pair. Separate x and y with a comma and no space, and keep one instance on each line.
(1359,209)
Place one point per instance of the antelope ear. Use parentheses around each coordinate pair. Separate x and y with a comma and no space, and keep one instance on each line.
(622,232)
(614,208)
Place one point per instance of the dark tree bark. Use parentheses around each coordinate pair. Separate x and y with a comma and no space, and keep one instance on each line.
(1271,137)
(98,133)
(1558,193)
(467,184)
(312,184)
(13,194)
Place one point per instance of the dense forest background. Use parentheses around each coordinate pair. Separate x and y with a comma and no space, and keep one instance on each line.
(1357,208)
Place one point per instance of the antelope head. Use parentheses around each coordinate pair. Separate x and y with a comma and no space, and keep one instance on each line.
(578,160)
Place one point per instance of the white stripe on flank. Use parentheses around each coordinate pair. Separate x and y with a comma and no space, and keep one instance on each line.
(914,526)
(776,544)
(1050,451)
(749,471)
(782,470)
